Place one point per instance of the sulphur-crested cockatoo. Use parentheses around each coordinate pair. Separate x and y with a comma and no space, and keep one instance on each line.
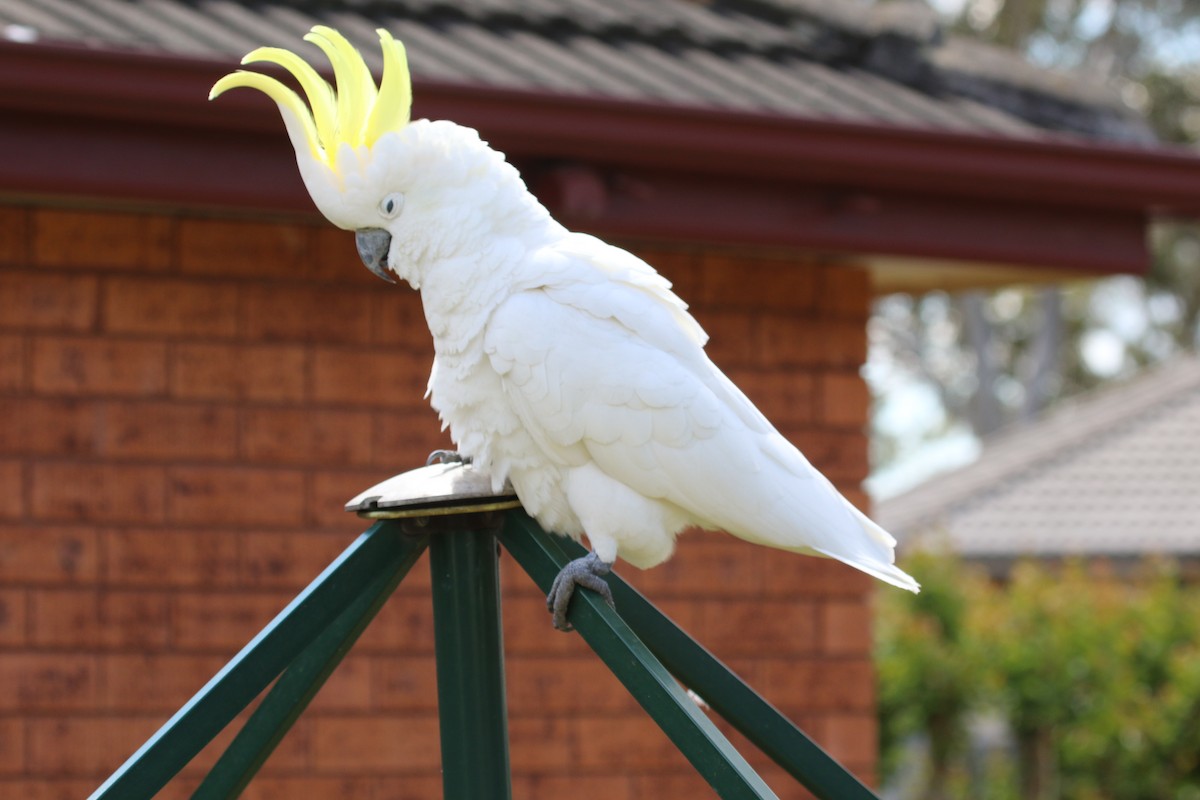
(563,364)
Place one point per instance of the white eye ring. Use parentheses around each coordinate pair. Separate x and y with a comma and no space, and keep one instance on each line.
(391,206)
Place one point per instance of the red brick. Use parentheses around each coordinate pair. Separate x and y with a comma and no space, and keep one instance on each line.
(850,737)
(756,627)
(540,686)
(348,688)
(681,266)
(190,309)
(97,492)
(14,237)
(12,363)
(705,563)
(31,682)
(808,576)
(85,746)
(515,581)
(732,338)
(417,581)
(403,439)
(842,456)
(680,783)
(857,497)
(335,259)
(48,426)
(375,744)
(268,787)
(169,431)
(756,285)
(101,240)
(785,399)
(554,787)
(846,628)
(154,682)
(47,301)
(13,614)
(627,743)
(48,555)
(790,342)
(286,559)
(404,624)
(99,619)
(845,400)
(308,436)
(12,751)
(379,378)
(12,496)
(167,557)
(53,788)
(208,622)
(244,248)
(527,629)
(290,756)
(98,366)
(405,683)
(846,292)
(818,684)
(329,491)
(399,320)
(307,314)
(235,495)
(240,372)
(544,744)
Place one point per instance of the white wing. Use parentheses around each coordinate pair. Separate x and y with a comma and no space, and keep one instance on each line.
(605,364)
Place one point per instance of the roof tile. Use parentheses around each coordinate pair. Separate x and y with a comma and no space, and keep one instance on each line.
(1114,473)
(790,57)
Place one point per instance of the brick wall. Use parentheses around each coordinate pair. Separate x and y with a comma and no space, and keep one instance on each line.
(185,405)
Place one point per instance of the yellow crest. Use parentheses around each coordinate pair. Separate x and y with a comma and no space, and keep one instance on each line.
(357,113)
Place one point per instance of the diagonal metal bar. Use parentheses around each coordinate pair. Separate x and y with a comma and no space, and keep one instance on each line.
(717,761)
(299,684)
(377,552)
(728,695)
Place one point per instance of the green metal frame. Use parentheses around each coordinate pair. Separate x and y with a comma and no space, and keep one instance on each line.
(302,646)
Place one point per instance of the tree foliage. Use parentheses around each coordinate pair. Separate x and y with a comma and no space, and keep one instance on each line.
(1096,675)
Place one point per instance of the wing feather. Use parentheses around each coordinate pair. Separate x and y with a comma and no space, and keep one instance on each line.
(610,367)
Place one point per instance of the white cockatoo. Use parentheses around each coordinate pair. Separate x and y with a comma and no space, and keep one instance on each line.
(563,364)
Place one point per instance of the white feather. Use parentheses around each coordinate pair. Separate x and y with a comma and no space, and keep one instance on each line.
(569,367)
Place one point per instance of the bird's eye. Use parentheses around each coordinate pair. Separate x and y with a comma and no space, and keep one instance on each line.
(391,206)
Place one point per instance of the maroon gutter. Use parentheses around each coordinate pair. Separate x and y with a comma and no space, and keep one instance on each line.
(613,166)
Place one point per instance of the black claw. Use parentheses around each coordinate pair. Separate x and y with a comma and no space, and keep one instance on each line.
(447,457)
(586,572)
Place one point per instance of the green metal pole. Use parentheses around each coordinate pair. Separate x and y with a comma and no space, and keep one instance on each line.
(630,660)
(470,665)
(298,685)
(381,550)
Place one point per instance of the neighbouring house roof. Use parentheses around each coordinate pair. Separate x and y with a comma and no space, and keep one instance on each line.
(887,64)
(835,128)
(1112,473)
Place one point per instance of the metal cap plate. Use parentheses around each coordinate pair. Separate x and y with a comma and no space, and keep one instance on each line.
(435,490)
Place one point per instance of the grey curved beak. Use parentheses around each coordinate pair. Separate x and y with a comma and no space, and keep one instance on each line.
(373,245)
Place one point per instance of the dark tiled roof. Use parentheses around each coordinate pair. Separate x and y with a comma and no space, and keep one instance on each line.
(1113,473)
(833,59)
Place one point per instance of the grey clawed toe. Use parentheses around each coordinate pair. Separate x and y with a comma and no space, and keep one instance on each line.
(587,572)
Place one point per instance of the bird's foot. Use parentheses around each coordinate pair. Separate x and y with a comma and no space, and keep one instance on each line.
(447,457)
(586,572)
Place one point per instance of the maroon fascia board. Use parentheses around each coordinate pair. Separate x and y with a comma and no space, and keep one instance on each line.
(78,122)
